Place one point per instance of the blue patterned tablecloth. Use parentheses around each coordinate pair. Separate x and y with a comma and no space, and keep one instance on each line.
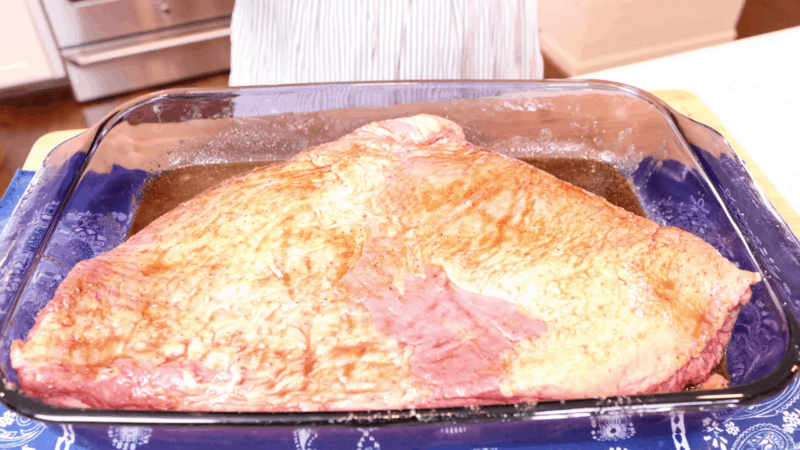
(18,432)
(771,425)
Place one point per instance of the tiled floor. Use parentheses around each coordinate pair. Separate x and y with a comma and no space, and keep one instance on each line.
(24,119)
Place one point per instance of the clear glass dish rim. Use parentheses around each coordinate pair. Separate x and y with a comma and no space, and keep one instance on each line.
(737,396)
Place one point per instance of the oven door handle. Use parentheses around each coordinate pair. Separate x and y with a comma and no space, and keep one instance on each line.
(147,47)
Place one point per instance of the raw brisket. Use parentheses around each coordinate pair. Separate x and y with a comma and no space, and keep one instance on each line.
(399,266)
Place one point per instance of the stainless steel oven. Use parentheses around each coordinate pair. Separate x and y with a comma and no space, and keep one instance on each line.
(115,46)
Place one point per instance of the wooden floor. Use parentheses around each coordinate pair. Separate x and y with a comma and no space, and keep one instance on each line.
(24,119)
(766,16)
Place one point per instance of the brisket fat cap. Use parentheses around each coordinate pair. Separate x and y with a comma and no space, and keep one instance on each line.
(398,266)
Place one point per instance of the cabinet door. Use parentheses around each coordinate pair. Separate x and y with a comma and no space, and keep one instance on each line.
(29,55)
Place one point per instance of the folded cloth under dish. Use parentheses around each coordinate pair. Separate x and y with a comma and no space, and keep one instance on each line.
(13,194)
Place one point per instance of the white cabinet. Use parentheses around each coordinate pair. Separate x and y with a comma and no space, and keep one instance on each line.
(583,36)
(28,55)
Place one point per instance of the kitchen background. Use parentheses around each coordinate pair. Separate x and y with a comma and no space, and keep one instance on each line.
(67,63)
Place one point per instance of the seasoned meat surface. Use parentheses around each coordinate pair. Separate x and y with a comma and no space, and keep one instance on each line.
(399,266)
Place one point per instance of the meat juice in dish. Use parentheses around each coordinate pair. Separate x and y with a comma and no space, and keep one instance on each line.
(167,191)
(399,266)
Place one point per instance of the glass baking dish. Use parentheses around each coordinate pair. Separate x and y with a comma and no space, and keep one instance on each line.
(83,201)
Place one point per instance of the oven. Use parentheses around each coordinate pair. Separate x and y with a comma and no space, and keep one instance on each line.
(115,46)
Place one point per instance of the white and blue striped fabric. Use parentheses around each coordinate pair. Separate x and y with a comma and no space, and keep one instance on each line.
(308,41)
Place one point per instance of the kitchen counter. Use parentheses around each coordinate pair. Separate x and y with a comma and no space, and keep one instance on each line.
(751,85)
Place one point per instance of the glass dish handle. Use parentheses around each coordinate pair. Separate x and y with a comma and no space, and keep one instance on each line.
(771,240)
(33,217)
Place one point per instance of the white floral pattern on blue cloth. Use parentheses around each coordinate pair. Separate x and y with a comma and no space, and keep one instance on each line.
(19,432)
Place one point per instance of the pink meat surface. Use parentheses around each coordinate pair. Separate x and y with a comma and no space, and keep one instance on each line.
(399,266)
(458,337)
